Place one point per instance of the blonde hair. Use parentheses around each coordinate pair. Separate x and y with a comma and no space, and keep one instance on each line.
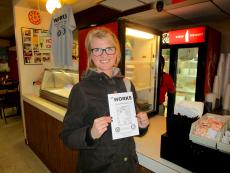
(101,33)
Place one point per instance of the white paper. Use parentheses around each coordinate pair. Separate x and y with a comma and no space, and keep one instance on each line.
(123,113)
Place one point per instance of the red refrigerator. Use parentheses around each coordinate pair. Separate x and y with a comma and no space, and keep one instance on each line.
(191,56)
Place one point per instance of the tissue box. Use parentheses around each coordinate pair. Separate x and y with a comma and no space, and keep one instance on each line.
(222,146)
(207,130)
(178,126)
(189,108)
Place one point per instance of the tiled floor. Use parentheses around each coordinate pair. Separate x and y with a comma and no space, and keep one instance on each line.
(15,155)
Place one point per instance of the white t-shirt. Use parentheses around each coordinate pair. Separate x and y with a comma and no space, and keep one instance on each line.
(61,27)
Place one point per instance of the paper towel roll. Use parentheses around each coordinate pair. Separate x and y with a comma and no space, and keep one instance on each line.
(221,73)
(228,65)
(211,98)
(226,79)
(222,58)
(216,87)
(227,98)
(229,106)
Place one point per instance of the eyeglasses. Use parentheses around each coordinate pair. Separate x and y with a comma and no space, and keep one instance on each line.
(107,50)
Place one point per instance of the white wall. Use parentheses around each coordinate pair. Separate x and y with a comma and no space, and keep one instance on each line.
(28,73)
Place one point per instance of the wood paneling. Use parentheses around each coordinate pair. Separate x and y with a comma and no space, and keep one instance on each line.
(43,138)
(142,169)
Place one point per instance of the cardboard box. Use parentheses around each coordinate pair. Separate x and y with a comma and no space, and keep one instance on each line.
(210,137)
(222,146)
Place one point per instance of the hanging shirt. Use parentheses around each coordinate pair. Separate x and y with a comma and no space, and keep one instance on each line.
(61,27)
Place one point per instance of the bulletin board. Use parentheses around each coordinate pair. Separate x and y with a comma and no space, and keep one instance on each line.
(36,46)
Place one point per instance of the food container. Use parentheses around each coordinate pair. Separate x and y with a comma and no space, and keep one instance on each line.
(224,147)
(208,129)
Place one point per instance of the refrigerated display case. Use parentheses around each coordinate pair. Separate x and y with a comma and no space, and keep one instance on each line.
(139,60)
(192,55)
(56,85)
(165,53)
(141,52)
(186,74)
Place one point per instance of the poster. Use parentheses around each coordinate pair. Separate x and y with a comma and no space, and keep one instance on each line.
(75,50)
(45,43)
(36,46)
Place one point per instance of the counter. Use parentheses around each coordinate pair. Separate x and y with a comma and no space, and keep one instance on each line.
(148,146)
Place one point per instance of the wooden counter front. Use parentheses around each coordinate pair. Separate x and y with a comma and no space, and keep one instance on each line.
(43,121)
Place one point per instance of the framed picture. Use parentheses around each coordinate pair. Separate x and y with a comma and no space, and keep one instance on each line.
(75,50)
(36,46)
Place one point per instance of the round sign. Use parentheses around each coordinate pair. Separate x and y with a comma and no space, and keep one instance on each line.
(34,17)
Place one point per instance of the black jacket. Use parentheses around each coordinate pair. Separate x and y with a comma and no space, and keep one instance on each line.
(88,100)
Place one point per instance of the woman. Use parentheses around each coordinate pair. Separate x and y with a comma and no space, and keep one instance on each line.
(86,125)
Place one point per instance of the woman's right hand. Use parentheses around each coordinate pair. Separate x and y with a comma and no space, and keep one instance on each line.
(100,126)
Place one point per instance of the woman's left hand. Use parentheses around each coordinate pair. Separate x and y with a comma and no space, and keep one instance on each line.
(142,119)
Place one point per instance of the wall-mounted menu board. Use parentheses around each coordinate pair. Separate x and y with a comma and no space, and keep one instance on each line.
(36,46)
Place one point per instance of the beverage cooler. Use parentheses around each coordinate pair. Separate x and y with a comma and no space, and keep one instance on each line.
(191,57)
(140,48)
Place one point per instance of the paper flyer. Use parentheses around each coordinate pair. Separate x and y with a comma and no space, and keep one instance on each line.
(123,113)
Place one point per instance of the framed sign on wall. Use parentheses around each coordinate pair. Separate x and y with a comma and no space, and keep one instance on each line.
(36,46)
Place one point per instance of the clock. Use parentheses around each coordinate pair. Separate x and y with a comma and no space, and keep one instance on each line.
(34,17)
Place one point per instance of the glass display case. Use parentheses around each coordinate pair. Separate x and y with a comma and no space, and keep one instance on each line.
(57,84)
(186,74)
(141,52)
(192,62)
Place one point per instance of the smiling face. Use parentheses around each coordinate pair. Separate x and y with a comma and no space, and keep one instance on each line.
(103,50)
(104,62)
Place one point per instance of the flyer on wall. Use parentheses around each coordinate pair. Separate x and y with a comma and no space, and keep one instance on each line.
(123,113)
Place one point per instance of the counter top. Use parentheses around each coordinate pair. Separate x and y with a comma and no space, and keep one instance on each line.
(148,146)
(49,107)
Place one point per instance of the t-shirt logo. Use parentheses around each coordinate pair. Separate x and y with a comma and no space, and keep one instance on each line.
(61,31)
(59,18)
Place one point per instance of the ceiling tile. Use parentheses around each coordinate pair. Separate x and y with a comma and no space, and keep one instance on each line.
(148,15)
(223,4)
(198,12)
(122,5)
(160,21)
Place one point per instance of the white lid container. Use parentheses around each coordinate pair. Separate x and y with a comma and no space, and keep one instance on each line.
(208,129)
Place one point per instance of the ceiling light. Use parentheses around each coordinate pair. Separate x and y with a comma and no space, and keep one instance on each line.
(94,24)
(52,4)
(139,34)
